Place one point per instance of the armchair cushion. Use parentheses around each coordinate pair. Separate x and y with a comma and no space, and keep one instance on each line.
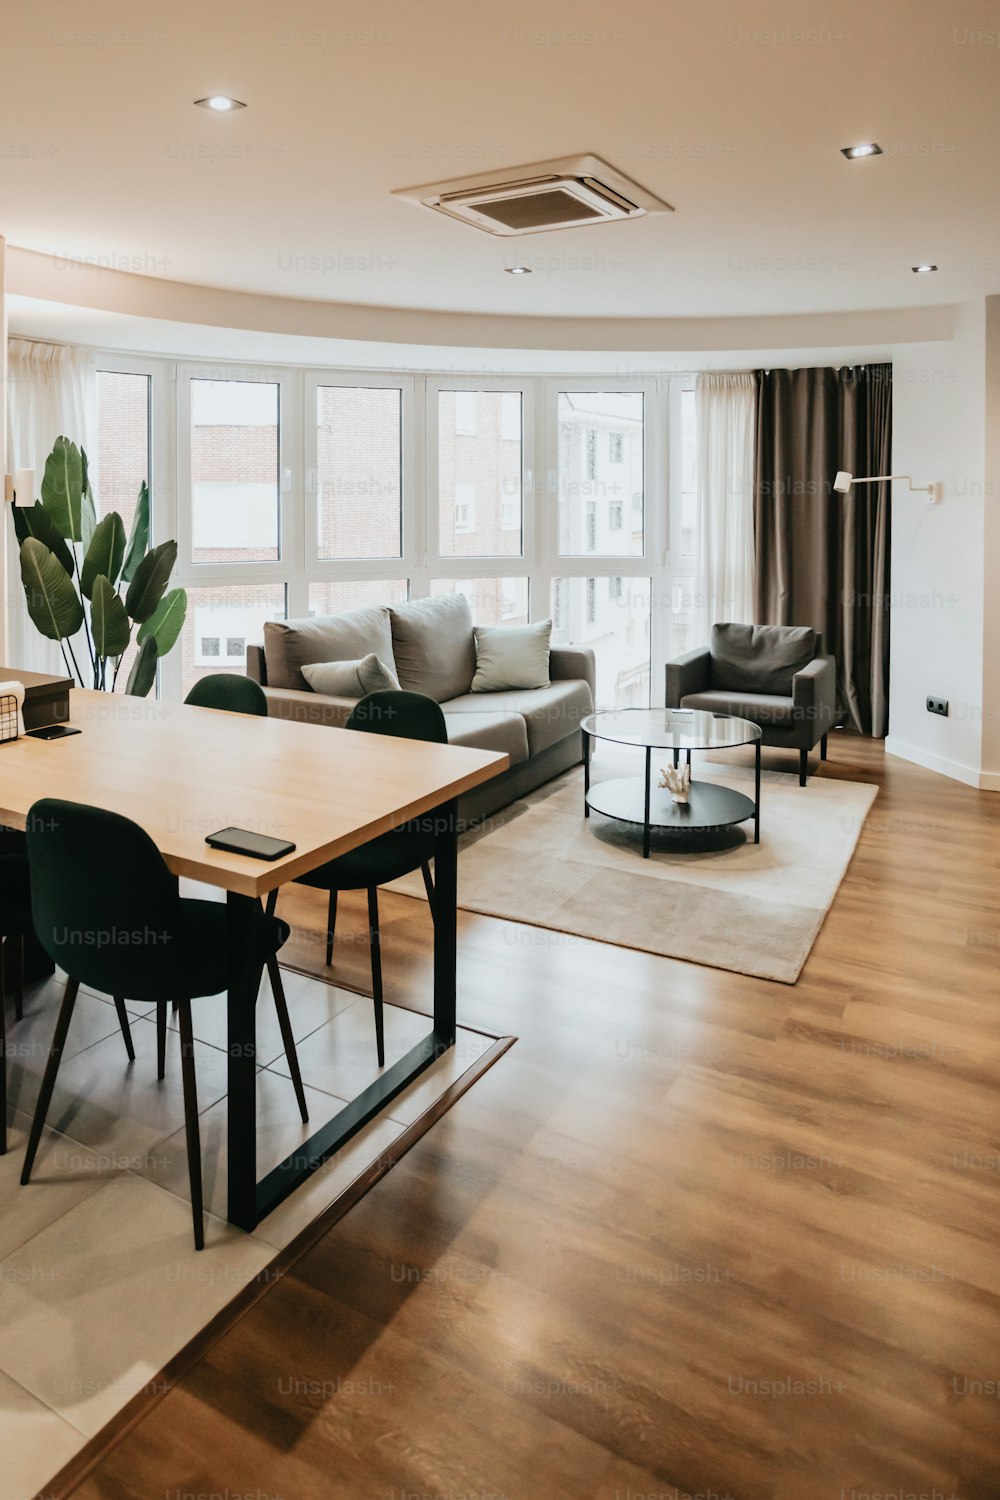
(760,708)
(760,658)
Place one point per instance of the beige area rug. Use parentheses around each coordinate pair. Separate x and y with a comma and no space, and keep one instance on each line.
(755,909)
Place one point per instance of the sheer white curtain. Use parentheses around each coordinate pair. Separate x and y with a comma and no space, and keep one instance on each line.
(51,390)
(725,412)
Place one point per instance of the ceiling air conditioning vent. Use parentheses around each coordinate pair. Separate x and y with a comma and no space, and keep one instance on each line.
(562,194)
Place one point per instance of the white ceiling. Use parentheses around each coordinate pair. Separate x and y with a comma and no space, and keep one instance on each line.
(733,112)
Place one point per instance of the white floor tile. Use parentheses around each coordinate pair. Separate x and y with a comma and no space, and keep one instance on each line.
(65,1173)
(34,1441)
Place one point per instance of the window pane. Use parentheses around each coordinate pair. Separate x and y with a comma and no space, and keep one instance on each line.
(689,475)
(331,598)
(600,473)
(122,442)
(479,473)
(234,471)
(221,622)
(611,616)
(359,471)
(493,601)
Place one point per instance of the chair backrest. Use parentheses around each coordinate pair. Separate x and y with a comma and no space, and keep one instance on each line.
(408,716)
(761,658)
(238,695)
(103,903)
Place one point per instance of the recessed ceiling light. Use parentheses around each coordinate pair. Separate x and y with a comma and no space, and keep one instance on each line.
(221,103)
(867,148)
(518,270)
(923,270)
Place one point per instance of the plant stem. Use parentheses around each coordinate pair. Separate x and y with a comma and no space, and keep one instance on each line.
(62,648)
(72,653)
(86,624)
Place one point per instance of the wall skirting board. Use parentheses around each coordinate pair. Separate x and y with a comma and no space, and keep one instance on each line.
(987,781)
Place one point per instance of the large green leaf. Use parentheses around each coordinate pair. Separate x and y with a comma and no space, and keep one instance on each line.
(109,624)
(166,621)
(105,553)
(88,510)
(143,673)
(34,520)
(150,582)
(138,539)
(54,605)
(62,488)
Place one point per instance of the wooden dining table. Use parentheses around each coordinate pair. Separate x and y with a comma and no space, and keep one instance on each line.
(183,773)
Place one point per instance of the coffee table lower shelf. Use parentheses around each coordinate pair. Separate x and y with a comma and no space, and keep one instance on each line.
(709,808)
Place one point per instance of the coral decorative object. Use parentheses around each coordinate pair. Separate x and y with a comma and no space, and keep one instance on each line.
(677,780)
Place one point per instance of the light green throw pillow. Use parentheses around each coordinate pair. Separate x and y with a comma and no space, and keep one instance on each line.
(350,679)
(512,656)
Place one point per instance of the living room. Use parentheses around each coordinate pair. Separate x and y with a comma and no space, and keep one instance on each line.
(576,484)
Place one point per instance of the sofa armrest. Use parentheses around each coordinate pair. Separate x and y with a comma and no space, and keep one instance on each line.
(576,663)
(256,668)
(814,695)
(690,673)
(309,708)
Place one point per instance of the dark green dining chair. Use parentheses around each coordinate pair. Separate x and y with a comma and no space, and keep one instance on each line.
(237,695)
(411,716)
(108,911)
(15,925)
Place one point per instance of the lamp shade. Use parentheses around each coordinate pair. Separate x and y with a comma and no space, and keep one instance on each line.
(842,483)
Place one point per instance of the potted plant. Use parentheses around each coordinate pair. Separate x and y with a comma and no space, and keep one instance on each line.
(74,568)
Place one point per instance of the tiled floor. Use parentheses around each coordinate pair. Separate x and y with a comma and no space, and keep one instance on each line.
(99,1277)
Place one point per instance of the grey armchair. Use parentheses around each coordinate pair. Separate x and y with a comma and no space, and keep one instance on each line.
(775,675)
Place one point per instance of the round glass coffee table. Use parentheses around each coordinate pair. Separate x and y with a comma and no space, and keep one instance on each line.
(634,799)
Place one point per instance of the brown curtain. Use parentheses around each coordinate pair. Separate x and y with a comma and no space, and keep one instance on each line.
(822,559)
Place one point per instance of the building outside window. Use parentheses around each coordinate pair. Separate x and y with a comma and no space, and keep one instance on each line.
(616,447)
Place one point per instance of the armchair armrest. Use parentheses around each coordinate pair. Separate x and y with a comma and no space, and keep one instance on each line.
(814,695)
(690,673)
(573,662)
(308,708)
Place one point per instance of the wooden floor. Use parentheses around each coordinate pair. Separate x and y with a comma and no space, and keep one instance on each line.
(695,1235)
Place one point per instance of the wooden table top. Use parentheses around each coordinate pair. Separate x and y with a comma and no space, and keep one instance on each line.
(183,773)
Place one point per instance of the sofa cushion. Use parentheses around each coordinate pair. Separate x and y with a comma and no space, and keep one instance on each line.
(350,679)
(512,656)
(550,714)
(433,646)
(759,708)
(760,658)
(489,730)
(289,645)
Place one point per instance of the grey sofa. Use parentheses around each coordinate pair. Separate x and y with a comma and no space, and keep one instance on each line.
(775,675)
(430,645)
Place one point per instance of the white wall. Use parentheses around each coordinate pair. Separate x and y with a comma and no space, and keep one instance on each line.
(938,552)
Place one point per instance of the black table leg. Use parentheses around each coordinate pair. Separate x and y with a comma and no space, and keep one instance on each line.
(586,773)
(445,924)
(242,1064)
(645,825)
(756,795)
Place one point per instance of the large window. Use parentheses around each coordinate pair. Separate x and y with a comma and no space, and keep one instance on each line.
(235,489)
(295,493)
(479,466)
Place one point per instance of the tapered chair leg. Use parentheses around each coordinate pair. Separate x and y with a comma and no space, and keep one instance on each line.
(123,1023)
(376,952)
(803,766)
(49,1077)
(161,1038)
(287,1039)
(191,1129)
(425,871)
(822,748)
(331,923)
(19,976)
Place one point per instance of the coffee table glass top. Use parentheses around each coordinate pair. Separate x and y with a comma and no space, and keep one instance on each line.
(670,728)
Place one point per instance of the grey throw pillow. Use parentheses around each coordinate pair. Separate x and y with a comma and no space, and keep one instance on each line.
(291,645)
(512,656)
(350,679)
(433,648)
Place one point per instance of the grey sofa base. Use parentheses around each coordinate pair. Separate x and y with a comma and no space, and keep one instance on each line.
(521,779)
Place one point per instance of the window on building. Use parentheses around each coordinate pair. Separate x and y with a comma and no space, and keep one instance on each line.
(492,601)
(465,507)
(591,454)
(591,542)
(466,413)
(614,588)
(591,600)
(221,622)
(615,515)
(577,472)
(616,447)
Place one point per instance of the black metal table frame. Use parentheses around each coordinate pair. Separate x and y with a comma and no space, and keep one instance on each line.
(646,824)
(251,1200)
